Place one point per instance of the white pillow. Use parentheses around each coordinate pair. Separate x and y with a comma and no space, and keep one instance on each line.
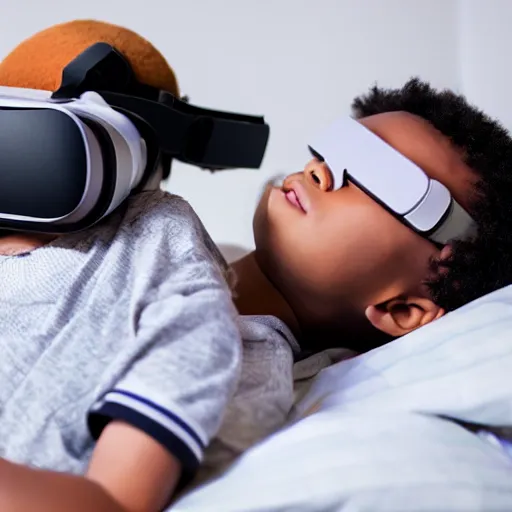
(377,440)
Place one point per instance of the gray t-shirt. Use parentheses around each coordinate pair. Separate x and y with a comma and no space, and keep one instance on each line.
(264,396)
(131,320)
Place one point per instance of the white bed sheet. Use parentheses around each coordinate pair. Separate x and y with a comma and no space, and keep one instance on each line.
(369,434)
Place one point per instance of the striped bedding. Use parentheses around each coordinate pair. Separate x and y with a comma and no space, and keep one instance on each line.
(421,424)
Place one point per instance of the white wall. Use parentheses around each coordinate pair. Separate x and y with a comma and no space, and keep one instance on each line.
(485,59)
(298,62)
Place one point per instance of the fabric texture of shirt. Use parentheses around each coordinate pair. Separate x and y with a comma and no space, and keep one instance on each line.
(131,320)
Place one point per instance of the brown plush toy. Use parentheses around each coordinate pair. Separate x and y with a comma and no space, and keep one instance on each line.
(38,62)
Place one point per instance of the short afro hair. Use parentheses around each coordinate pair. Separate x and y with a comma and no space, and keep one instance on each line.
(484,264)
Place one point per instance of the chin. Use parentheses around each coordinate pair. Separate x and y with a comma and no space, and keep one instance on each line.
(260,221)
(276,264)
(265,252)
(270,238)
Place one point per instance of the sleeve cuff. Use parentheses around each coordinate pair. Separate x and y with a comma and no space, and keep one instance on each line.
(164,426)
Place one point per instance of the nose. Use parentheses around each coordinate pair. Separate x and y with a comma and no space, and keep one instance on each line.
(320,177)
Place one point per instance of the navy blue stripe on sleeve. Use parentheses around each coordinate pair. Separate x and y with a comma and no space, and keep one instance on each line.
(164,412)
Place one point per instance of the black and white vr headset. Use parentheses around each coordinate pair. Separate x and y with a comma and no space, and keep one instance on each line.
(355,154)
(69,158)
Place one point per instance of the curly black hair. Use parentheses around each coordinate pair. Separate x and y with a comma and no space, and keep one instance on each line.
(483,264)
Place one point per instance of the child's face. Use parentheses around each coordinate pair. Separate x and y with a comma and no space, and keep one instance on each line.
(334,253)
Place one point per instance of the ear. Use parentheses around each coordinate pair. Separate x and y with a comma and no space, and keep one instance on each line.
(400,316)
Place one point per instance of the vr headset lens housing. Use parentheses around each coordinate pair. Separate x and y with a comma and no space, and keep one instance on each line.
(31,139)
(68,164)
(354,153)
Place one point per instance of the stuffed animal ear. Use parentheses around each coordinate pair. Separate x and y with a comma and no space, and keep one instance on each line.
(37,62)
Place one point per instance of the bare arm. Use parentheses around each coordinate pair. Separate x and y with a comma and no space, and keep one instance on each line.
(129,472)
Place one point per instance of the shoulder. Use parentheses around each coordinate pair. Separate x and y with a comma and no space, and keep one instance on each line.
(268,331)
(151,214)
(158,208)
(161,233)
(169,223)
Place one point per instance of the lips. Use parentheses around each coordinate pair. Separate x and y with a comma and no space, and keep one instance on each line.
(294,197)
(291,196)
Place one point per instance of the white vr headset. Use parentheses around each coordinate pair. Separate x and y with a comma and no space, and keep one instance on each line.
(58,167)
(69,158)
(354,153)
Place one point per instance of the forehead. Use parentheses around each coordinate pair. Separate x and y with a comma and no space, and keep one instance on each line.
(428,148)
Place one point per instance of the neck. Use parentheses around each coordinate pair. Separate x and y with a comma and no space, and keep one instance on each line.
(256,295)
(15,244)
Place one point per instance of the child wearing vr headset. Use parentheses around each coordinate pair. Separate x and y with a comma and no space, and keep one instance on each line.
(120,343)
(122,360)
(400,216)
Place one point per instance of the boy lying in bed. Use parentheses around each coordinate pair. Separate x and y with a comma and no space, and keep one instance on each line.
(339,269)
(337,266)
(395,426)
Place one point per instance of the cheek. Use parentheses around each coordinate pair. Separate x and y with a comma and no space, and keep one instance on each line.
(344,247)
(361,247)
(347,251)
(339,245)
